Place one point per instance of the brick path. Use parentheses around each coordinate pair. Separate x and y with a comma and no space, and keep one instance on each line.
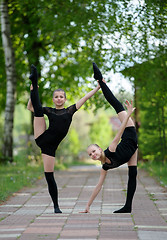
(28,215)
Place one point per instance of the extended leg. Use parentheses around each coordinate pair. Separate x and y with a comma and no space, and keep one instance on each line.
(49,175)
(115,103)
(106,91)
(131,188)
(34,93)
(39,121)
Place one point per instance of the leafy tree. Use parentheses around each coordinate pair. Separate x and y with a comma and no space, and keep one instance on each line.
(11,83)
(63,37)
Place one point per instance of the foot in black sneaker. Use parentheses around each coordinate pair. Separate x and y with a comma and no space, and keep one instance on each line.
(97,73)
(57,210)
(34,75)
(123,210)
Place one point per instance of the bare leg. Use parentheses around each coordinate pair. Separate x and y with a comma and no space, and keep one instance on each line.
(122,115)
(49,175)
(48,162)
(39,126)
(133,159)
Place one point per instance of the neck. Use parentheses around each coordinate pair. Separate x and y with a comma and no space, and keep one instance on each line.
(103,158)
(59,107)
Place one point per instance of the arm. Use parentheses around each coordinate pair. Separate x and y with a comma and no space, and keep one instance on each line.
(97,189)
(86,97)
(117,138)
(29,105)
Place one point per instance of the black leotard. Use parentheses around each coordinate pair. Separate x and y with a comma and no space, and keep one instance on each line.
(124,151)
(59,123)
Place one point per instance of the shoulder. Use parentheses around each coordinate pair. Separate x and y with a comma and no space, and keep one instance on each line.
(72,109)
(105,167)
(47,110)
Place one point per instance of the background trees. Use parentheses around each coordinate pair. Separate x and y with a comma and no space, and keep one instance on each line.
(62,38)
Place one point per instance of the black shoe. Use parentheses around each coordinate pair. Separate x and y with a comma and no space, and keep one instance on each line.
(34,74)
(97,73)
(123,210)
(57,210)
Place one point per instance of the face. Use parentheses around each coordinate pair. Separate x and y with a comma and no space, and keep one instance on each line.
(59,99)
(94,152)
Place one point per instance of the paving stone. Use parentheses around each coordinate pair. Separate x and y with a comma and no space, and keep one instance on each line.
(29,214)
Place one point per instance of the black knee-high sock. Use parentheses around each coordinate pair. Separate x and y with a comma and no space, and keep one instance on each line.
(130,190)
(38,111)
(106,91)
(52,187)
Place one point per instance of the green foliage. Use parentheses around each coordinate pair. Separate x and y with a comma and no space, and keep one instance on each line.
(16,175)
(74,142)
(156,169)
(58,40)
(100,131)
(152,89)
(63,37)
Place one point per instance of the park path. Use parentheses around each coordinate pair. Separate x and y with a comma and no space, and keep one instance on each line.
(28,215)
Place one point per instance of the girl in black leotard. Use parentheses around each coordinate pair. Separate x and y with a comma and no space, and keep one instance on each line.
(59,122)
(118,152)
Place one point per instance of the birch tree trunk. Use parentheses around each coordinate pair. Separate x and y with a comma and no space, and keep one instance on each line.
(10,83)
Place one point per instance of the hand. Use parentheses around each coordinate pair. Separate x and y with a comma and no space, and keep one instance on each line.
(31,87)
(102,80)
(129,107)
(86,210)
(34,74)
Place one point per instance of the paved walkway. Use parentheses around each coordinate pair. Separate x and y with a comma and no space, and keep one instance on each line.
(28,215)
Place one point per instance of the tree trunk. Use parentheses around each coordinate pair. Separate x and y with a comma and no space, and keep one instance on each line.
(11,83)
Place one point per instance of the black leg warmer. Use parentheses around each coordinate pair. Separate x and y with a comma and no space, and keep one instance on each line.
(106,91)
(52,187)
(130,190)
(38,111)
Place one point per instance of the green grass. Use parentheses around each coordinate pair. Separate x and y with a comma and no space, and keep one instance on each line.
(15,176)
(23,172)
(156,169)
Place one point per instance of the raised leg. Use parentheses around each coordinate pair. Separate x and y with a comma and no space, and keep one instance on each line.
(114,102)
(39,121)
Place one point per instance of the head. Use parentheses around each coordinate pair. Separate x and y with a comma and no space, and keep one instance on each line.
(59,97)
(95,152)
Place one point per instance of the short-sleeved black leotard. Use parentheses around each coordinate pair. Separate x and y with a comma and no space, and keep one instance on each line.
(124,151)
(59,123)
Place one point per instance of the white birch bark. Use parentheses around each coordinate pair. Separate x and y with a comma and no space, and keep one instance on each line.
(10,82)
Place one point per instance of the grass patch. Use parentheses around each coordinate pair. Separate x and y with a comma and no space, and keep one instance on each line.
(13,177)
(25,171)
(156,169)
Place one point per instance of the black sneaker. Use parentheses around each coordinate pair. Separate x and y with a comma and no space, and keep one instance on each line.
(57,210)
(34,74)
(97,73)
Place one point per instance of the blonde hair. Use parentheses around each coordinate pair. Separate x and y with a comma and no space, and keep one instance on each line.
(103,158)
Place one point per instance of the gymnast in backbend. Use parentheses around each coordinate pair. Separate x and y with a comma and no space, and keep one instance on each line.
(118,152)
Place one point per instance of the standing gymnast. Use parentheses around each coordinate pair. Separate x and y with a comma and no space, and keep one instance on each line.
(118,152)
(59,122)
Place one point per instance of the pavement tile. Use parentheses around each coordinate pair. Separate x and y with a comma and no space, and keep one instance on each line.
(28,214)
